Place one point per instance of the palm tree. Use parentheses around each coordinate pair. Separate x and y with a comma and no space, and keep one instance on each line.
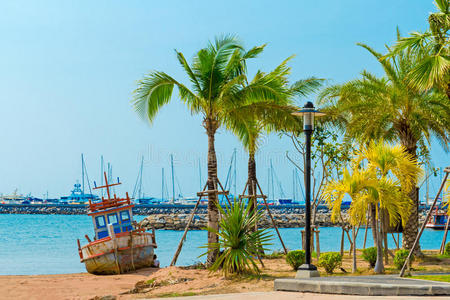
(250,130)
(432,49)
(373,108)
(219,86)
(379,171)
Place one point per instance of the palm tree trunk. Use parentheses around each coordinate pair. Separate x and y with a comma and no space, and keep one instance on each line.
(379,267)
(373,220)
(412,224)
(448,90)
(213,211)
(252,181)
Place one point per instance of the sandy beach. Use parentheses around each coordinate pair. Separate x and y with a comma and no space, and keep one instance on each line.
(69,286)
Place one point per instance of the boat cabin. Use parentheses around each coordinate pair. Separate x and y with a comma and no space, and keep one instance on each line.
(116,212)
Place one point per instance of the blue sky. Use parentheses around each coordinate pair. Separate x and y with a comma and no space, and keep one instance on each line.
(68,68)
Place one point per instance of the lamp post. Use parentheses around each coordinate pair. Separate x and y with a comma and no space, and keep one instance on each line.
(308,113)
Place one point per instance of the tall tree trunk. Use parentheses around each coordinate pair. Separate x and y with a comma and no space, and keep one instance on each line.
(213,212)
(412,224)
(373,221)
(448,90)
(379,266)
(252,182)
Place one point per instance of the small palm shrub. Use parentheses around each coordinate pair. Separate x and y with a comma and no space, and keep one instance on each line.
(295,258)
(329,261)
(239,242)
(447,249)
(400,258)
(370,255)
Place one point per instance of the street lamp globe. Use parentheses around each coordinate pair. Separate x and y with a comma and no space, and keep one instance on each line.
(308,112)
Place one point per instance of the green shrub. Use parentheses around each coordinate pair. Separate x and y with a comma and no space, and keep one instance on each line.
(329,261)
(447,249)
(295,258)
(239,243)
(275,254)
(400,258)
(370,255)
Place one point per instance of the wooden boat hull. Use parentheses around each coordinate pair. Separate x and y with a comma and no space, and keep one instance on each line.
(123,253)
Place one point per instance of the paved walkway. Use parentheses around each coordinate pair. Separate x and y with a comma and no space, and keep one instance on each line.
(374,285)
(296,296)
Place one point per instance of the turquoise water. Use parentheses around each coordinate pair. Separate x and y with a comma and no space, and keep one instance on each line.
(46,244)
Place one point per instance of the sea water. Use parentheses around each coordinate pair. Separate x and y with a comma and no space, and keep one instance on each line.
(47,244)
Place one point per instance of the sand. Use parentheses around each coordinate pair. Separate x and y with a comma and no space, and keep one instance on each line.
(172,282)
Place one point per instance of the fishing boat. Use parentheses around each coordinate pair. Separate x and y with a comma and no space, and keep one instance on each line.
(437,221)
(119,245)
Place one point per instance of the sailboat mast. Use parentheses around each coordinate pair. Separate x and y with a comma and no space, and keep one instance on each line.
(162,184)
(140,178)
(271,178)
(235,172)
(82,171)
(101,171)
(199,175)
(173,179)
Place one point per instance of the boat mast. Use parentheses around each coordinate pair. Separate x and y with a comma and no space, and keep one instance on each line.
(173,180)
(82,171)
(235,172)
(140,178)
(101,170)
(162,184)
(271,178)
(200,174)
(293,184)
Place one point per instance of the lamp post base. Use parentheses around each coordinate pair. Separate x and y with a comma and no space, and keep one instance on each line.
(307,271)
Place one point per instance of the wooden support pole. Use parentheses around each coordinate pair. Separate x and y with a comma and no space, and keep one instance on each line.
(271,218)
(444,239)
(402,272)
(191,217)
(395,241)
(317,244)
(225,193)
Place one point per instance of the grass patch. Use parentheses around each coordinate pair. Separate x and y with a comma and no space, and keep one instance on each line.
(443,278)
(169,295)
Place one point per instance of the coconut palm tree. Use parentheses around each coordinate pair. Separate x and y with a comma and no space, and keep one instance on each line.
(372,108)
(251,129)
(432,49)
(218,89)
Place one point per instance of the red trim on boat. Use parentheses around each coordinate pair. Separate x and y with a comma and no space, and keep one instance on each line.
(120,249)
(110,210)
(105,239)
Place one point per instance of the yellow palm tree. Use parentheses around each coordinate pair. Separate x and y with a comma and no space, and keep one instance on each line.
(381,180)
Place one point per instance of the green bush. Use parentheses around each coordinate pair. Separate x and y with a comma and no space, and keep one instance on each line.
(370,255)
(400,258)
(447,249)
(295,258)
(239,243)
(329,261)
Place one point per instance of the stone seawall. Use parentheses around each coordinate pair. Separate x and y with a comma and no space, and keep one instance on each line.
(175,217)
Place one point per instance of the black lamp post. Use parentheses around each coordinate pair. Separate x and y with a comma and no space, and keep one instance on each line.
(308,113)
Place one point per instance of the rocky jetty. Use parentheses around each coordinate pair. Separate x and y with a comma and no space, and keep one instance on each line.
(175,217)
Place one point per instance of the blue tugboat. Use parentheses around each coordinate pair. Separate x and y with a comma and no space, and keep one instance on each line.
(119,245)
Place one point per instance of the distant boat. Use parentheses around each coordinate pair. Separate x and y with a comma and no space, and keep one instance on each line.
(437,221)
(77,196)
(14,198)
(119,246)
